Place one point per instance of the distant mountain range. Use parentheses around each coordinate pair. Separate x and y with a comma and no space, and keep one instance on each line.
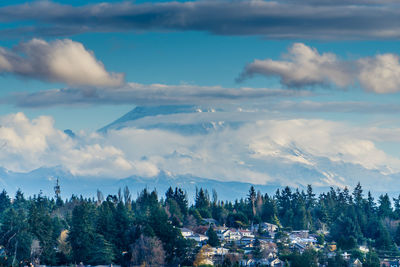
(44,179)
(288,166)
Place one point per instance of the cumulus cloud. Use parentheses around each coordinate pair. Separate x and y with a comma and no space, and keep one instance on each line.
(142,94)
(261,151)
(58,61)
(380,74)
(344,19)
(305,66)
(30,144)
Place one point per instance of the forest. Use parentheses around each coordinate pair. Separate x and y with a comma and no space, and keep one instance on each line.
(145,230)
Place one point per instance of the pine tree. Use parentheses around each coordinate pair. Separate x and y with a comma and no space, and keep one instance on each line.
(41,226)
(101,251)
(212,237)
(82,233)
(371,260)
(357,195)
(202,200)
(257,249)
(385,207)
(251,198)
(310,199)
(5,201)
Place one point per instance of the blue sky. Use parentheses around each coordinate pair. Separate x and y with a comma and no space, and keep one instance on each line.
(191,57)
(176,57)
(83,64)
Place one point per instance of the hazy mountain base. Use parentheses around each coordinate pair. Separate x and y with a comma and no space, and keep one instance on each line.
(43,180)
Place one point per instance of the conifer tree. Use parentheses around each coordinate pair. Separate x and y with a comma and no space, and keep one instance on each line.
(212,237)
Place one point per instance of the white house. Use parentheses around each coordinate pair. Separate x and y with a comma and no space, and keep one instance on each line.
(223,233)
(186,232)
(246,233)
(229,235)
(220,251)
(198,237)
(275,262)
(234,235)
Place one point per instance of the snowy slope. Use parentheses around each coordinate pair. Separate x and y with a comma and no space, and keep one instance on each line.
(171,118)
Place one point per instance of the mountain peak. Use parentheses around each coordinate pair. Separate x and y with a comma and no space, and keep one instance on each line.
(141,112)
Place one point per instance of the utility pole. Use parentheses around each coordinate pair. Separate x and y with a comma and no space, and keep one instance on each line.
(57,189)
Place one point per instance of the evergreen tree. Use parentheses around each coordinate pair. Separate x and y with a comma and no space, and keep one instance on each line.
(15,237)
(101,251)
(310,200)
(82,233)
(5,201)
(357,195)
(202,200)
(257,249)
(181,199)
(252,202)
(385,207)
(212,237)
(371,260)
(41,226)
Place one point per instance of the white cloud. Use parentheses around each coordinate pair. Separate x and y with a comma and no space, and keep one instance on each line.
(282,19)
(64,61)
(261,151)
(320,138)
(147,94)
(305,66)
(380,74)
(30,144)
(302,66)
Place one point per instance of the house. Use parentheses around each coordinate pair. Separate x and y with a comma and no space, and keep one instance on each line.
(229,235)
(332,247)
(346,256)
(220,251)
(186,232)
(302,237)
(222,233)
(263,262)
(390,263)
(299,247)
(189,234)
(248,262)
(363,249)
(276,262)
(198,237)
(331,254)
(234,235)
(356,263)
(269,228)
(244,241)
(246,233)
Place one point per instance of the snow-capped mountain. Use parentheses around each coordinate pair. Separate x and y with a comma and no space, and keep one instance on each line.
(191,146)
(172,118)
(287,164)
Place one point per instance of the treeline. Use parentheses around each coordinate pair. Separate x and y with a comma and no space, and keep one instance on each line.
(122,230)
